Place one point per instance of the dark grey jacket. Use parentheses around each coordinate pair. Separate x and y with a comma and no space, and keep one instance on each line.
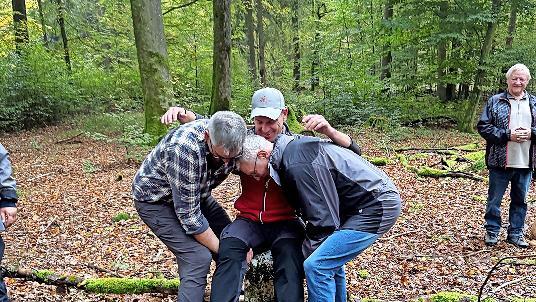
(8,188)
(334,188)
(493,126)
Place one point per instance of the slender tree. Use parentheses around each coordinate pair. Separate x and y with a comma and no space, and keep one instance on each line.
(61,23)
(296,72)
(221,66)
(467,123)
(387,56)
(20,23)
(42,20)
(442,51)
(250,38)
(153,61)
(262,41)
(512,24)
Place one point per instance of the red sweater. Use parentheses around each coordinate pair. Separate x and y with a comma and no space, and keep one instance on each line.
(263,201)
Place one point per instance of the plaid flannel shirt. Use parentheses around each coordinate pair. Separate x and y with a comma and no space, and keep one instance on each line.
(177,171)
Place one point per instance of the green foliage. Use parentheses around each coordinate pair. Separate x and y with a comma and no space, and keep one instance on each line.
(128,286)
(89,167)
(363,274)
(43,274)
(453,297)
(121,216)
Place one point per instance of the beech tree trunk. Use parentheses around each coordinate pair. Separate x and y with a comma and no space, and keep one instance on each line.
(442,52)
(221,66)
(42,20)
(153,62)
(296,73)
(20,24)
(511,24)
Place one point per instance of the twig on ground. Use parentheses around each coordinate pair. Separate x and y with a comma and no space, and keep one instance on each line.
(69,139)
(104,270)
(40,176)
(509,283)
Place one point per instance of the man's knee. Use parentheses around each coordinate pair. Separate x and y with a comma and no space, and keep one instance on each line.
(195,264)
(232,249)
(310,265)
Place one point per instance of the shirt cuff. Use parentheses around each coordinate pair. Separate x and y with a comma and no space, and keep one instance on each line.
(194,231)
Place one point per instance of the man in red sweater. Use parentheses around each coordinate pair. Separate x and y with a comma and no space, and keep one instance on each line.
(266,220)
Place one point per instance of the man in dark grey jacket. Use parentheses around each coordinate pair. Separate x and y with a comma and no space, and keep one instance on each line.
(346,202)
(8,206)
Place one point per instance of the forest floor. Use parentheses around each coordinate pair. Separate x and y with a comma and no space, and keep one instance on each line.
(71,190)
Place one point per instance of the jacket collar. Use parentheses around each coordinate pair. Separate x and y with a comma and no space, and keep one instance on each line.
(276,157)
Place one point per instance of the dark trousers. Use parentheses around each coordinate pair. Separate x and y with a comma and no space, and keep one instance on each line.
(3,289)
(284,239)
(193,258)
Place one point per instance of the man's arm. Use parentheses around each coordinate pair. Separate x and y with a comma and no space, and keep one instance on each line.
(180,114)
(8,192)
(208,239)
(316,122)
(489,131)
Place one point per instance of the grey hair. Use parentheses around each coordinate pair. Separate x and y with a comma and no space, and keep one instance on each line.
(228,130)
(518,67)
(252,145)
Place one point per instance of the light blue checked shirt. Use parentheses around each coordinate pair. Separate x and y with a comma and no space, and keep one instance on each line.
(177,171)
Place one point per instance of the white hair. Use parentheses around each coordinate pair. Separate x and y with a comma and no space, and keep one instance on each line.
(518,67)
(252,145)
(228,130)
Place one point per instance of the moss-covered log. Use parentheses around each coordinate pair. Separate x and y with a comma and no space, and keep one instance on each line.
(96,285)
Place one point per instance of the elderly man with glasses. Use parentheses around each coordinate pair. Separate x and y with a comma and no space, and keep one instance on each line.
(172,193)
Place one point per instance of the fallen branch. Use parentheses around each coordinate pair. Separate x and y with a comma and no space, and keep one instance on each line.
(40,176)
(96,285)
(496,266)
(509,283)
(68,140)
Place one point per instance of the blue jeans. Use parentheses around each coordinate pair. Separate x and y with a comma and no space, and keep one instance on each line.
(519,179)
(3,290)
(324,269)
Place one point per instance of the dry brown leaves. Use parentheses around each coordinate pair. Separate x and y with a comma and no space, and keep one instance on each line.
(69,194)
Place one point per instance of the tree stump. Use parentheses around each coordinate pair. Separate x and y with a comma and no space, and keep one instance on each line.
(258,283)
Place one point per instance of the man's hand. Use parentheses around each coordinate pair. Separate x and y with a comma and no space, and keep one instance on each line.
(520,135)
(249,256)
(8,215)
(177,114)
(316,122)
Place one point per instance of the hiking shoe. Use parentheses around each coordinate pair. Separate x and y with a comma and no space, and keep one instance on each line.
(518,241)
(491,239)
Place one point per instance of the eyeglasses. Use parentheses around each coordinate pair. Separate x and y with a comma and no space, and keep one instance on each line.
(254,174)
(217,156)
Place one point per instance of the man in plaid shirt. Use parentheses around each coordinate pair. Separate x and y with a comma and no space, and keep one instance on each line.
(172,193)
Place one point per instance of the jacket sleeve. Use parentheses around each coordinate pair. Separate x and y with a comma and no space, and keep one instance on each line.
(8,188)
(487,129)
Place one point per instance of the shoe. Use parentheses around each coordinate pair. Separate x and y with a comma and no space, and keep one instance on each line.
(518,241)
(491,239)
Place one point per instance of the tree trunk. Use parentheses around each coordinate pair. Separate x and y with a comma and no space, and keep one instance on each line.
(467,124)
(442,52)
(262,42)
(221,66)
(320,12)
(61,22)
(511,24)
(20,24)
(387,57)
(42,20)
(250,37)
(153,62)
(296,74)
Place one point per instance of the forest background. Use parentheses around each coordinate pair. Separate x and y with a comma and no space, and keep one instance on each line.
(102,72)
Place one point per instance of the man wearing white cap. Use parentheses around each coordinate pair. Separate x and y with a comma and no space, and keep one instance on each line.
(266,220)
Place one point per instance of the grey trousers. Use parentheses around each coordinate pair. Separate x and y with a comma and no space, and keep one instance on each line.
(193,259)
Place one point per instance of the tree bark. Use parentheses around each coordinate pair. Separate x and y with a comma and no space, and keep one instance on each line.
(387,56)
(262,42)
(296,73)
(20,24)
(61,23)
(221,66)
(512,24)
(468,122)
(442,52)
(250,38)
(153,62)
